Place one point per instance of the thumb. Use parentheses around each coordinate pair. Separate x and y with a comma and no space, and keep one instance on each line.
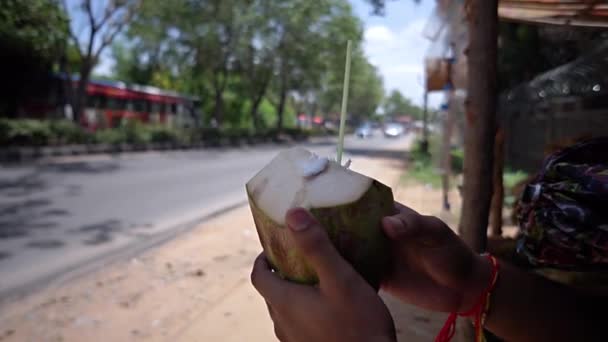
(313,242)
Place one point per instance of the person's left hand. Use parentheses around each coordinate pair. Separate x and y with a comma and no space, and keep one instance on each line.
(343,307)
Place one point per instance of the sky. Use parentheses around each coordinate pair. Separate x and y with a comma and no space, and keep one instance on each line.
(393,43)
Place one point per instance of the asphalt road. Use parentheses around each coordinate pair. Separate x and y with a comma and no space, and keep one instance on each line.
(61,216)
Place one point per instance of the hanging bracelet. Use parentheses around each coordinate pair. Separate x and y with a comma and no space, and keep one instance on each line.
(478,313)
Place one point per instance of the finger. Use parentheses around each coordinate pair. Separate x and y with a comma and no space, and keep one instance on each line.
(277,325)
(403,209)
(312,241)
(409,225)
(267,283)
(278,332)
(270,310)
(401,225)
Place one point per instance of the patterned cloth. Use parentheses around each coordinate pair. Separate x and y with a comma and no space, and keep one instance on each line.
(564,211)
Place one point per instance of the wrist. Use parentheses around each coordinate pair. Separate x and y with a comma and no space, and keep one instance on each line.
(477,283)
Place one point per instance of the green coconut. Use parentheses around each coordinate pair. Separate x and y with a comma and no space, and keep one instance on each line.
(349,206)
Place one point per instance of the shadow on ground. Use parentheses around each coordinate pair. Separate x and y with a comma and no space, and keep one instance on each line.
(26,207)
(24,217)
(100,232)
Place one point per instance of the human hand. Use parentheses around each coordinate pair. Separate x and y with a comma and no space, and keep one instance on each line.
(343,307)
(432,267)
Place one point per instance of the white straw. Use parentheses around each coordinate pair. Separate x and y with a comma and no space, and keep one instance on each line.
(344,102)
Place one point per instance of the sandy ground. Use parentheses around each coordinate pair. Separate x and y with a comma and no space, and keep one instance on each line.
(194,288)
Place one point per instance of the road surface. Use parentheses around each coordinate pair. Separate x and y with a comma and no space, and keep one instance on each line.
(58,217)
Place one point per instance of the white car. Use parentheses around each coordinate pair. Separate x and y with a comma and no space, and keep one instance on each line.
(393,130)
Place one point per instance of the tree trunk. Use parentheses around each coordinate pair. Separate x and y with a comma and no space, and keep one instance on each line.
(255,115)
(482,23)
(282,102)
(498,194)
(281,110)
(80,97)
(218,108)
(256,100)
(67,85)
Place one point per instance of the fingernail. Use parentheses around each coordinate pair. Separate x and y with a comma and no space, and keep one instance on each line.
(299,219)
(395,224)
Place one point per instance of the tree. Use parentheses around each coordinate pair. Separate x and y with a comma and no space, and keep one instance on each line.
(314,71)
(379,5)
(184,45)
(33,35)
(102,25)
(482,22)
(256,54)
(367,91)
(213,35)
(299,66)
(397,104)
(238,56)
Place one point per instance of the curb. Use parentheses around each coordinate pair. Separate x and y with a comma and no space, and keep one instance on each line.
(16,155)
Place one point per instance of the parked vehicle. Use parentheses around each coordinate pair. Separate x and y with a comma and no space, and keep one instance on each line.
(393,130)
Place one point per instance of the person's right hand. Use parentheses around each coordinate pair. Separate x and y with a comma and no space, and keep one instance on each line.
(341,307)
(432,267)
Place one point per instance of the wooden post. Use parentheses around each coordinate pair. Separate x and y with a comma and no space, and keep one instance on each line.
(425,130)
(499,190)
(482,24)
(446,151)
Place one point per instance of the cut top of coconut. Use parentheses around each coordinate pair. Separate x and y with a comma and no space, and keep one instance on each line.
(298,178)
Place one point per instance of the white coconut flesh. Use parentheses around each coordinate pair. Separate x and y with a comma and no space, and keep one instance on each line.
(298,178)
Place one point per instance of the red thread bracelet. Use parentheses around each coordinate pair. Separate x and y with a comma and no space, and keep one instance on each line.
(478,312)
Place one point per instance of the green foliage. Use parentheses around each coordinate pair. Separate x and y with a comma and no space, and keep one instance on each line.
(109,136)
(512,178)
(33,36)
(421,168)
(38,27)
(29,132)
(66,132)
(161,135)
(25,132)
(135,132)
(457,159)
(397,104)
(242,58)
(424,174)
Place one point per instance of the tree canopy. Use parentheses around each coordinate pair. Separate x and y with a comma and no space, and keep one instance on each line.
(397,104)
(251,61)
(32,36)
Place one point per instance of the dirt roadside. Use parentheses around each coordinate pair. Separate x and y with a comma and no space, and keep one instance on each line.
(194,288)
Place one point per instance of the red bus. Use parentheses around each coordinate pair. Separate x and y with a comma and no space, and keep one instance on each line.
(109,103)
